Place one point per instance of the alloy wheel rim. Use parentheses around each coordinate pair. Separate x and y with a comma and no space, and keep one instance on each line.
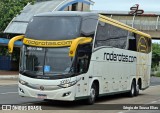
(92,94)
(137,88)
(132,90)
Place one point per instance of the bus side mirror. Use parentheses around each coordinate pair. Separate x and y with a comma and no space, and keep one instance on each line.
(11,42)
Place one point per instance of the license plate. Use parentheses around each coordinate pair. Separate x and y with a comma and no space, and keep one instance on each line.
(42,96)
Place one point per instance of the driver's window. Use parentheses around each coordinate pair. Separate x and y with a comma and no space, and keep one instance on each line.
(82,64)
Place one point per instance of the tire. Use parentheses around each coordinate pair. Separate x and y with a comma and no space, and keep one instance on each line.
(133,89)
(93,94)
(137,90)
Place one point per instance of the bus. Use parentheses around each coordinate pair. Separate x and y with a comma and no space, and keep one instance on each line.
(81,55)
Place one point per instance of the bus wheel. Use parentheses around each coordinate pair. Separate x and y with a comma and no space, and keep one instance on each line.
(92,97)
(137,90)
(133,89)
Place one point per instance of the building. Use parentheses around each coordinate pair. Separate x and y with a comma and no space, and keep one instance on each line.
(19,24)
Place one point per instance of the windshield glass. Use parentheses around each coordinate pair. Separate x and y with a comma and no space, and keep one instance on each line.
(53,28)
(58,61)
(47,61)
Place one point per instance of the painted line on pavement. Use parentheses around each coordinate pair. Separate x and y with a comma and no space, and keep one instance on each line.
(3,85)
(8,93)
(153,102)
(154,86)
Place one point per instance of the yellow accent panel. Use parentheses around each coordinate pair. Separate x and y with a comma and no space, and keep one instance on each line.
(76,42)
(11,42)
(45,43)
(121,25)
(116,22)
(143,34)
(117,25)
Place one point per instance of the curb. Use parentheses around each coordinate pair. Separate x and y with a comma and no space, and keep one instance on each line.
(8,77)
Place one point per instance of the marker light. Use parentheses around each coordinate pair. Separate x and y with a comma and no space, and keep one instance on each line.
(23,82)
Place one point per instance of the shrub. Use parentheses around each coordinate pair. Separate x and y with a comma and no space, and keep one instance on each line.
(157,74)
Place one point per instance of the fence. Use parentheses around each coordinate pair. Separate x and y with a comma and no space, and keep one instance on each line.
(5,63)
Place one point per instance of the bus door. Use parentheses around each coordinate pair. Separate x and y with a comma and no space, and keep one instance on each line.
(82,61)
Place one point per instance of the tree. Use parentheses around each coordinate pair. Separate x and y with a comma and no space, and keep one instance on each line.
(9,9)
(155,54)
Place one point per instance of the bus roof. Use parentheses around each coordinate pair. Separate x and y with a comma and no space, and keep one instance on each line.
(87,14)
(67,13)
(122,25)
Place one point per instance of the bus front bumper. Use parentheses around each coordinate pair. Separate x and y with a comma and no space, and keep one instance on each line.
(67,94)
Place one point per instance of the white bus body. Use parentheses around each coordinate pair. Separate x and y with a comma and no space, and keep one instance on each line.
(111,69)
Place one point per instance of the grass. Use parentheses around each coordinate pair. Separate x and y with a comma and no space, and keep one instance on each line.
(157,74)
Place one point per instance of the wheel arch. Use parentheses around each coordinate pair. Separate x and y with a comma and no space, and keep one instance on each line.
(133,80)
(97,82)
(139,82)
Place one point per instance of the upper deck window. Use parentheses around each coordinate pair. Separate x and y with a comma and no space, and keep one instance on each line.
(109,35)
(54,28)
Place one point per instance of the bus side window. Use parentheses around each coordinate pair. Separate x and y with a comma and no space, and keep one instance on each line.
(82,65)
(109,35)
(149,45)
(83,58)
(132,42)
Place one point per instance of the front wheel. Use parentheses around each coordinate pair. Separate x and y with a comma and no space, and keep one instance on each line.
(92,97)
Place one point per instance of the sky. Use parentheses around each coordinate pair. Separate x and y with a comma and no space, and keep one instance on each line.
(124,5)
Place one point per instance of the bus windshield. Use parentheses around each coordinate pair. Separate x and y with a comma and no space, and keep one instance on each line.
(47,61)
(53,28)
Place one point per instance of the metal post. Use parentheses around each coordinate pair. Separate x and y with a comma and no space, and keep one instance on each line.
(133,19)
(157,23)
(111,16)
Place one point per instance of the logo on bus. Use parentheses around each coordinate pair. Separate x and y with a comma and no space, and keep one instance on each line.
(119,57)
(43,43)
(142,45)
(41,88)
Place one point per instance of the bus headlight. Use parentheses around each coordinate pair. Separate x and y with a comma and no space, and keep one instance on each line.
(68,84)
(23,82)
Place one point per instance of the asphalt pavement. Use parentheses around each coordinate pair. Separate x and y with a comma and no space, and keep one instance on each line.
(155,81)
(9,95)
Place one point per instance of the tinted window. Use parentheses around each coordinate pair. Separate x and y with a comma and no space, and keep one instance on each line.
(149,45)
(109,35)
(48,61)
(54,28)
(132,45)
(88,26)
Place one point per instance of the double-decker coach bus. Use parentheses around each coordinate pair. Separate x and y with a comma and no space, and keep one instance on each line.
(82,55)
